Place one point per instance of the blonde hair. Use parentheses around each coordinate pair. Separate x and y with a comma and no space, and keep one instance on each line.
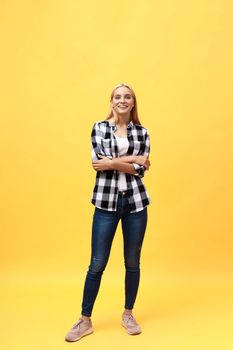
(134,111)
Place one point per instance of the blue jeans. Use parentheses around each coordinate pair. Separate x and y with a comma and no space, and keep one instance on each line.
(103,230)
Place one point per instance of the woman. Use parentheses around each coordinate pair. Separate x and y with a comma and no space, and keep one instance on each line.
(120,150)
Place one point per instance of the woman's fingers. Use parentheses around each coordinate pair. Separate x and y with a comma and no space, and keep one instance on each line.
(142,160)
(147,164)
(101,164)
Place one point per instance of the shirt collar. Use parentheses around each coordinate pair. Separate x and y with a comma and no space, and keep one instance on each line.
(112,124)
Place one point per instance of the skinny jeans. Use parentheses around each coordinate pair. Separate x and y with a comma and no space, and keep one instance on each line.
(104,226)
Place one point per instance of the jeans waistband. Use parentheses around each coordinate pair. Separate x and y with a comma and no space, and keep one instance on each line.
(122,193)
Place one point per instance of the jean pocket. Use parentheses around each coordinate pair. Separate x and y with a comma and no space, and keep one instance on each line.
(103,212)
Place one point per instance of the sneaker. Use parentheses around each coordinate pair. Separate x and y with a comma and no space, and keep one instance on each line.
(130,324)
(79,330)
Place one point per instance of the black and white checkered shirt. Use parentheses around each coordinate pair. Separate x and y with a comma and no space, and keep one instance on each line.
(105,191)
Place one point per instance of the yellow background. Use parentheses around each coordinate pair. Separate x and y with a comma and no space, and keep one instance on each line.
(59,63)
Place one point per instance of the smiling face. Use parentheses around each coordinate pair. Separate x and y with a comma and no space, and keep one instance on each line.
(122,101)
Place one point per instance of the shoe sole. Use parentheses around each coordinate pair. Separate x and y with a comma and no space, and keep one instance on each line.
(130,333)
(87,332)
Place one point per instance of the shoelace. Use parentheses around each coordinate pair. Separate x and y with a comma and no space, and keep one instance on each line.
(77,324)
(131,318)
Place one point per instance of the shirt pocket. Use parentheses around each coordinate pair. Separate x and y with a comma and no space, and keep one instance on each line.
(137,147)
(107,146)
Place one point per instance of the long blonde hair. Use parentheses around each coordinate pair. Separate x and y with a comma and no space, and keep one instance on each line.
(134,111)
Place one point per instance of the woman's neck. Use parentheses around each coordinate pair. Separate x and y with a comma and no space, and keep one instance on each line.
(123,121)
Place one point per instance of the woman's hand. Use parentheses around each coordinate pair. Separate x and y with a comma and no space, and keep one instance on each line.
(142,160)
(102,164)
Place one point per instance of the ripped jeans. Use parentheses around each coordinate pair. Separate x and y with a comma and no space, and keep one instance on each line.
(103,230)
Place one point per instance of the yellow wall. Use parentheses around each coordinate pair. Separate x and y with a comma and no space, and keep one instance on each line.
(59,63)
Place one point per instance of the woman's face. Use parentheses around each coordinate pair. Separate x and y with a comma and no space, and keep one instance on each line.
(122,101)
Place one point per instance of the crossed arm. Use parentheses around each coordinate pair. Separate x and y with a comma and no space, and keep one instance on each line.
(131,164)
(124,163)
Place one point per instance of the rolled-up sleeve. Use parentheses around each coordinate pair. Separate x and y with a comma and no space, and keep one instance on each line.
(140,170)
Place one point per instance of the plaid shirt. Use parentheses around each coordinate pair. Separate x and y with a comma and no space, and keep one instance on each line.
(105,192)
